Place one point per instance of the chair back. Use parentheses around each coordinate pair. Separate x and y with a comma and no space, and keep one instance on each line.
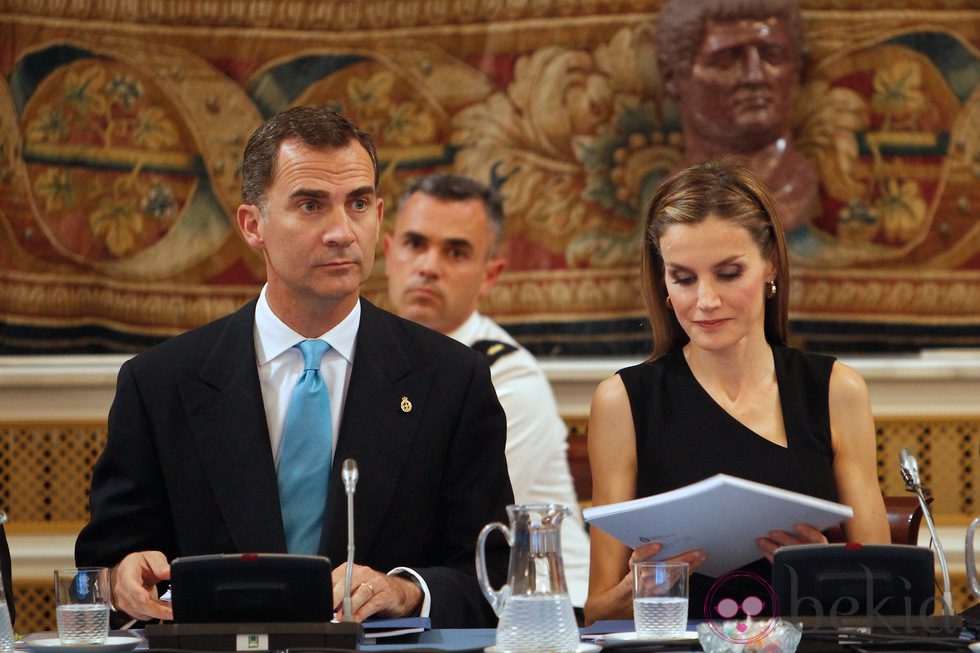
(904,518)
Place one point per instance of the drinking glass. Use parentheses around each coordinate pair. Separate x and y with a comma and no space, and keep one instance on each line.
(660,599)
(82,605)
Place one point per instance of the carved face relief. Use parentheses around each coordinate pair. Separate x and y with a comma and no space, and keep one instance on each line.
(743,83)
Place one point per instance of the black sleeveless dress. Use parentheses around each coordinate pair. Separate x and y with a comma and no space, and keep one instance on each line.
(684,436)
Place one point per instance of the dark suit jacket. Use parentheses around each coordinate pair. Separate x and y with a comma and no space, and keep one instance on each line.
(188,467)
(8,588)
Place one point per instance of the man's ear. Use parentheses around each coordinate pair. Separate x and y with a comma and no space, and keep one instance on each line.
(250,224)
(491,273)
(381,216)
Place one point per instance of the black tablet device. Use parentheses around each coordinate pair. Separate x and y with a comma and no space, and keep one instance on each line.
(251,588)
(854,580)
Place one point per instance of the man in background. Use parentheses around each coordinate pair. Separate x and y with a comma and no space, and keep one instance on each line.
(230,438)
(442,257)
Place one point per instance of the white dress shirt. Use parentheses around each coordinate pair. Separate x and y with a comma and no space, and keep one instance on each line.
(280,366)
(537,446)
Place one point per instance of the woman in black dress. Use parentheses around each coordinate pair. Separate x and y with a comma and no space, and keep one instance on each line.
(722,393)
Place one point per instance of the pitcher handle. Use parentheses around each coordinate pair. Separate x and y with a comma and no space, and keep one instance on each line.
(971,563)
(497,599)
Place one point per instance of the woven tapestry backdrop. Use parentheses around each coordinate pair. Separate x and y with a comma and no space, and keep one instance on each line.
(122,124)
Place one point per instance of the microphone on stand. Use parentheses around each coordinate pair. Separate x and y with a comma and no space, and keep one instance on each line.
(349,474)
(910,470)
(913,483)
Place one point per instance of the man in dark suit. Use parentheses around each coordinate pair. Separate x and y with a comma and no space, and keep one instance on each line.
(199,425)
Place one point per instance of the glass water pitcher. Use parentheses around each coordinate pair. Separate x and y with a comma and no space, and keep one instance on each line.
(533,605)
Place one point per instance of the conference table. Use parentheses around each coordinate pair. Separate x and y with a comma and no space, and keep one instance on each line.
(431,640)
(481,639)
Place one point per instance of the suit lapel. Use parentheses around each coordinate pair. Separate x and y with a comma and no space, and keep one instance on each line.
(227,419)
(377,431)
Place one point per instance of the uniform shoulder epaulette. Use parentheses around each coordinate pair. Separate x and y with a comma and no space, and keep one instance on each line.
(494,350)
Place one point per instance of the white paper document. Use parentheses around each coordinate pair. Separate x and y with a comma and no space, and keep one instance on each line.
(721,515)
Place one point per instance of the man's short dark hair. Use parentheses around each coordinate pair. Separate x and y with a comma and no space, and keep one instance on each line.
(457,188)
(315,126)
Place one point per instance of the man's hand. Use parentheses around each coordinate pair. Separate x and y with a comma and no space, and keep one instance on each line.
(803,534)
(374,593)
(134,581)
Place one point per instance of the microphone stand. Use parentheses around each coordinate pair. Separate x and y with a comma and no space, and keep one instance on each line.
(349,474)
(913,483)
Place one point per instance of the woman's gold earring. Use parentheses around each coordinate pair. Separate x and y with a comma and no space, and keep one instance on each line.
(669,305)
(770,289)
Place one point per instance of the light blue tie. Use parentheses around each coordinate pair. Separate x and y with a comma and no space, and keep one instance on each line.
(305,453)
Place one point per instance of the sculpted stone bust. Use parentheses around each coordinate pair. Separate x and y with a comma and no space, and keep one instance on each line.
(734,69)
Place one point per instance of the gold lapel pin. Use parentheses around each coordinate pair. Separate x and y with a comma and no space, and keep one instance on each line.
(406,405)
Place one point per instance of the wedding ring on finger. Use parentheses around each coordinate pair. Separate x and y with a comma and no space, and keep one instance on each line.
(368,585)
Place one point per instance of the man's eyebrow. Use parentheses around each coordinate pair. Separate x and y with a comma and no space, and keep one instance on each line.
(414,235)
(459,242)
(361,192)
(320,194)
(308,192)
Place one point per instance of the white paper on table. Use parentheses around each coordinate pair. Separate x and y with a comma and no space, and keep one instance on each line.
(722,515)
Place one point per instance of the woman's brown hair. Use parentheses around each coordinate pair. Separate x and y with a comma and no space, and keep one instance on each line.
(727,191)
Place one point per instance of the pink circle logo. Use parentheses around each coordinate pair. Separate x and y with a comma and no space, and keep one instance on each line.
(719,608)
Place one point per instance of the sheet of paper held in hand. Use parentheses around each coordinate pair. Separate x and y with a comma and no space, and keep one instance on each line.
(721,515)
